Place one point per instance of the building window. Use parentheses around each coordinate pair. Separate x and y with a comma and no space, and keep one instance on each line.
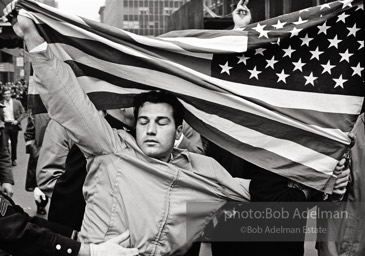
(151,24)
(143,10)
(130,24)
(168,10)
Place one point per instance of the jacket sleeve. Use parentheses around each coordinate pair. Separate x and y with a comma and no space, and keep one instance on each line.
(20,236)
(52,157)
(6,175)
(69,105)
(29,133)
(234,189)
(21,113)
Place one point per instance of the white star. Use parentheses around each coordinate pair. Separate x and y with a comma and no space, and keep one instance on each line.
(339,81)
(260,51)
(254,73)
(346,3)
(298,65)
(295,32)
(353,30)
(327,67)
(282,76)
(271,63)
(304,10)
(334,42)
(316,53)
(346,56)
(260,29)
(300,21)
(279,25)
(306,40)
(323,29)
(357,70)
(1,30)
(310,79)
(360,7)
(342,17)
(288,51)
(242,59)
(325,6)
(361,44)
(225,68)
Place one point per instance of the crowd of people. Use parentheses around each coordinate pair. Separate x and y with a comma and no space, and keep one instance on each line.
(18,90)
(118,179)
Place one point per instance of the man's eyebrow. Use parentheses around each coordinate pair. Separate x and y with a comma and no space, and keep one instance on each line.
(158,117)
(140,117)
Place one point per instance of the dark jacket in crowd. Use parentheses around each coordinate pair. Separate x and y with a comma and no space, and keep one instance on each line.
(265,186)
(22,235)
(6,175)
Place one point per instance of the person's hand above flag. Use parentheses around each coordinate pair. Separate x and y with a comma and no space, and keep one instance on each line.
(241,15)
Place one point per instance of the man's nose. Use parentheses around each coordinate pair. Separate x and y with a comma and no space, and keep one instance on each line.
(151,128)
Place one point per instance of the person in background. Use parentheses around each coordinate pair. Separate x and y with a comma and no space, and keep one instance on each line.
(241,15)
(33,144)
(6,175)
(61,173)
(13,115)
(346,236)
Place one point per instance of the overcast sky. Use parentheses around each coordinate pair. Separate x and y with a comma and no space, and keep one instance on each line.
(85,8)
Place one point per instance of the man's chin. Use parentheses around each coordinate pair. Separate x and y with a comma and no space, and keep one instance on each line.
(150,152)
(153,154)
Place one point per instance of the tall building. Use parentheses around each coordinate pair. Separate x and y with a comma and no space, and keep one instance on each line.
(143,17)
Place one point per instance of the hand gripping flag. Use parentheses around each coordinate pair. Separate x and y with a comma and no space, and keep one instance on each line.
(281,93)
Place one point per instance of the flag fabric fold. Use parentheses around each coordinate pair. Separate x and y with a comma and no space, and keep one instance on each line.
(281,93)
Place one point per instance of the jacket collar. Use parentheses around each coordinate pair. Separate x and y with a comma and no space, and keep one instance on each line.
(176,152)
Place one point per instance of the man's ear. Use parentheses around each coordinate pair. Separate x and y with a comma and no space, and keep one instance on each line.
(178,132)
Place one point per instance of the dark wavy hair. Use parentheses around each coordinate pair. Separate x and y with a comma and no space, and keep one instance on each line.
(160,97)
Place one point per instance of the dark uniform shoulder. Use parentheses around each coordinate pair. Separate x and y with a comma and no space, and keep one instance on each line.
(4,205)
(22,235)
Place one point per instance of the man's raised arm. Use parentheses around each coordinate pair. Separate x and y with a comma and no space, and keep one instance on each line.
(65,100)
(23,27)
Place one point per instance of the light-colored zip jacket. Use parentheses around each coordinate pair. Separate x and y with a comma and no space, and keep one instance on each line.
(124,188)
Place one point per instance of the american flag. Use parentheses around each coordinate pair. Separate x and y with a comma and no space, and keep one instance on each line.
(282,93)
